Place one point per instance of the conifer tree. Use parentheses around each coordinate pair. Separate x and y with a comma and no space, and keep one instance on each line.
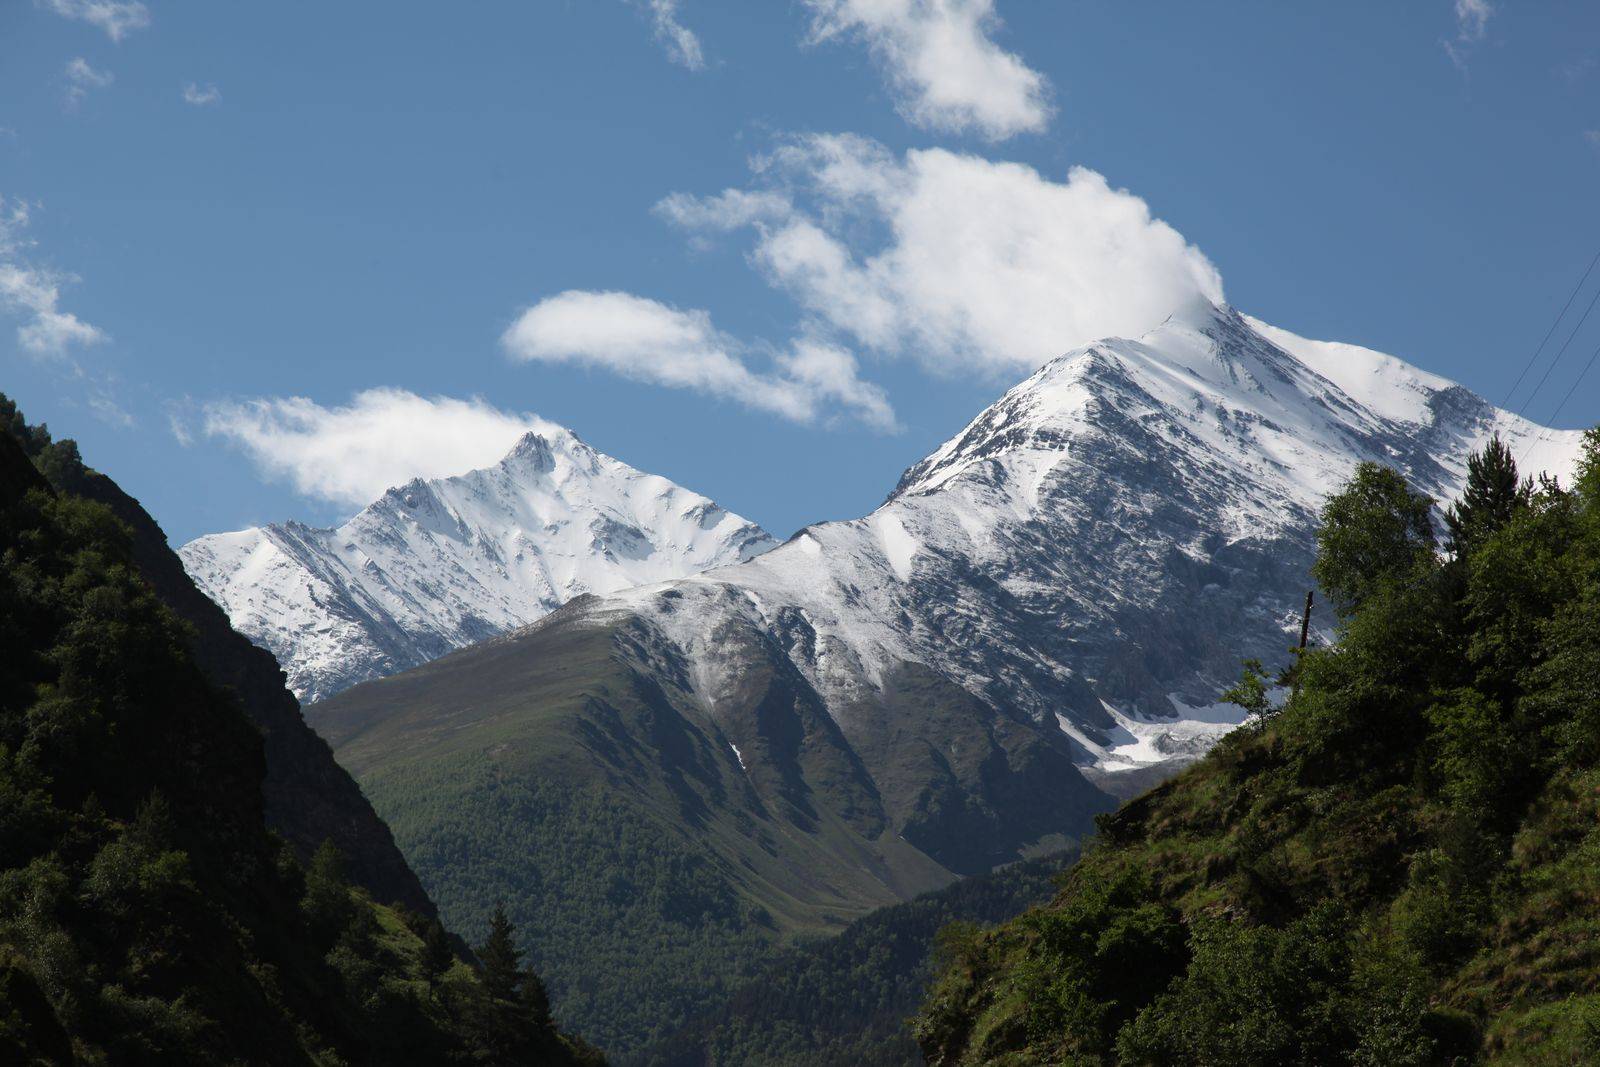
(436,954)
(1492,497)
(501,973)
(535,1000)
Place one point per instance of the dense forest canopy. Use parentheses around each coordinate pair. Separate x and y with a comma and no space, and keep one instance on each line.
(1400,866)
(146,914)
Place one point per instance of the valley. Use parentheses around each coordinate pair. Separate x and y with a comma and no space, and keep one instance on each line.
(771,750)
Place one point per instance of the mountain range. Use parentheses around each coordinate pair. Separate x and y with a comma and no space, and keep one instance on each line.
(1037,620)
(437,565)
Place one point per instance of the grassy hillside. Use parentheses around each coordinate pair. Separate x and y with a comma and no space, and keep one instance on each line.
(147,916)
(653,872)
(1400,867)
(848,999)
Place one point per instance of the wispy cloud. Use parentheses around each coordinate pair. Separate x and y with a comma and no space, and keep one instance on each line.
(963,264)
(1593,137)
(105,407)
(942,63)
(117,18)
(33,293)
(645,340)
(1576,71)
(1472,26)
(350,454)
(82,78)
(681,43)
(201,96)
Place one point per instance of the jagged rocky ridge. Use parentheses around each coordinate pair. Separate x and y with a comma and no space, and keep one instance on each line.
(440,564)
(1096,551)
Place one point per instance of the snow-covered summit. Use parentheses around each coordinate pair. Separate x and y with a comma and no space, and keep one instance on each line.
(439,564)
(1097,550)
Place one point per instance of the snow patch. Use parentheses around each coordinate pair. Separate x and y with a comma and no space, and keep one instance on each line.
(899,547)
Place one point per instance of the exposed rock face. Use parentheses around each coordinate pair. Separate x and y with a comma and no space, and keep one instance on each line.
(1095,553)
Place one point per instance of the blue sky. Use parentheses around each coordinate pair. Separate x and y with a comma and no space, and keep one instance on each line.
(210,209)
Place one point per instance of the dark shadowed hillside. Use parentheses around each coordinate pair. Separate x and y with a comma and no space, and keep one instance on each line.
(147,914)
(309,797)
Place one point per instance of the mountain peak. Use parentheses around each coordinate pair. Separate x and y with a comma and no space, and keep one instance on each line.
(1199,313)
(440,563)
(1125,488)
(532,451)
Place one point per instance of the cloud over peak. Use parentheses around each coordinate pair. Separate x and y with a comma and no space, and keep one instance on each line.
(648,341)
(351,454)
(961,263)
(942,63)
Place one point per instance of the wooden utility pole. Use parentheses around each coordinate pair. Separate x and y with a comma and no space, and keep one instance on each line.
(1305,621)
(1305,635)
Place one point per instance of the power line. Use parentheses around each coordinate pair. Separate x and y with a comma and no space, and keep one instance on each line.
(1576,383)
(1581,375)
(1546,431)
(1551,332)
(1560,353)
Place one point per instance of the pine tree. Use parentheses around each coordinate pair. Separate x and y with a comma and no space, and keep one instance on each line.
(535,1000)
(501,973)
(1492,497)
(437,957)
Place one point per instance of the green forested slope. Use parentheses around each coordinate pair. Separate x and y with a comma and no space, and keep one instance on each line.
(309,797)
(847,1000)
(652,873)
(1400,867)
(146,914)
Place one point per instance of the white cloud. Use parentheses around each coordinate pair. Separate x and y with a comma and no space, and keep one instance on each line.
(117,17)
(682,46)
(384,437)
(81,78)
(1593,137)
(201,96)
(1472,26)
(959,262)
(33,293)
(942,63)
(648,341)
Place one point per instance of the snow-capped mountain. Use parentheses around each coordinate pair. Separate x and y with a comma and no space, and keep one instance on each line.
(436,565)
(1097,551)
(1037,621)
